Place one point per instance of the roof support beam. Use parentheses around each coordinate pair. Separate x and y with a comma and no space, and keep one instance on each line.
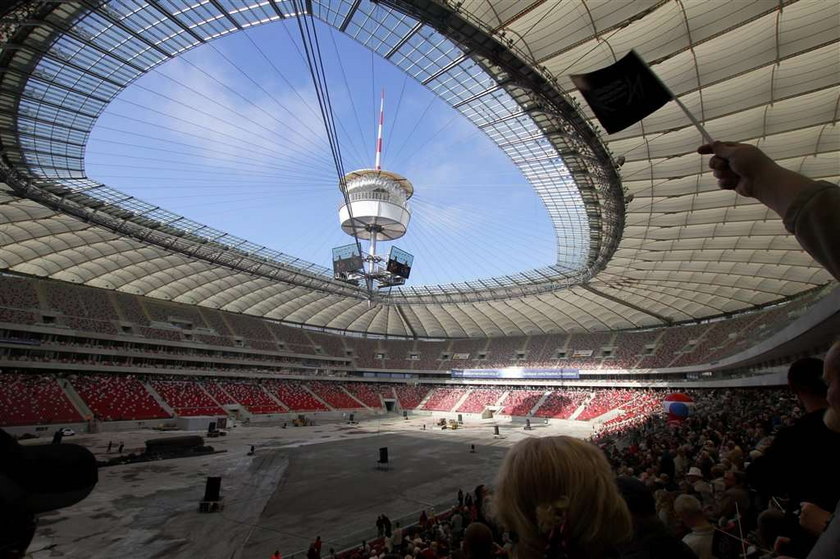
(618,301)
(413,31)
(350,13)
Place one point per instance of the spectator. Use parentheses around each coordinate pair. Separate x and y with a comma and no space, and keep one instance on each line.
(798,464)
(651,538)
(558,494)
(697,485)
(735,500)
(690,511)
(829,541)
(397,538)
(478,542)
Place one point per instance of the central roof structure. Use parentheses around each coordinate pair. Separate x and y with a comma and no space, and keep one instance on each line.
(652,243)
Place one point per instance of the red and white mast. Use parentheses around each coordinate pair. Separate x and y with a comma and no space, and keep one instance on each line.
(378,165)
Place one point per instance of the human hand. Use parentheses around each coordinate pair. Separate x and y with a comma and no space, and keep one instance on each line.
(737,167)
(813,519)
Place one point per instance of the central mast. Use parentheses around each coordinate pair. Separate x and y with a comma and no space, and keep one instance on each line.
(375,209)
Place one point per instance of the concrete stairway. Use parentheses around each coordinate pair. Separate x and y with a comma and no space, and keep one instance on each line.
(581,407)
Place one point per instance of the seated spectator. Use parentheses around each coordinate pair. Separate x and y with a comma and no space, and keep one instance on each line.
(690,512)
(829,540)
(559,496)
(798,464)
(698,486)
(478,542)
(651,538)
(735,500)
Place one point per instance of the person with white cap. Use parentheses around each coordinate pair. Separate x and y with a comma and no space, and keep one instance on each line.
(699,486)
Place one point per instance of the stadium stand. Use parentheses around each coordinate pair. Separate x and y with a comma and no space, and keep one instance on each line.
(603,402)
(542,350)
(630,347)
(368,394)
(479,398)
(116,398)
(130,309)
(214,320)
(430,354)
(410,397)
(219,394)
(330,344)
(294,396)
(252,396)
(501,352)
(444,399)
(397,354)
(34,399)
(333,394)
(186,397)
(521,402)
(561,404)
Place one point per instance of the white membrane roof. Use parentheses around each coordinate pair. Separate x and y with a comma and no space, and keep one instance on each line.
(679,249)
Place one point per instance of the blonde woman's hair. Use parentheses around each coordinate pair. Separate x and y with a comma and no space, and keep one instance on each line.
(546,480)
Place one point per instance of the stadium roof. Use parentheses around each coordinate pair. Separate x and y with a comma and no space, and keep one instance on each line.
(650,243)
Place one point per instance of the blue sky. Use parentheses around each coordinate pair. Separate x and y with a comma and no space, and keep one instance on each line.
(229,135)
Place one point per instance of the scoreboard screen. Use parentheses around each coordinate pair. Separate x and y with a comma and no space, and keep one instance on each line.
(347,259)
(399,262)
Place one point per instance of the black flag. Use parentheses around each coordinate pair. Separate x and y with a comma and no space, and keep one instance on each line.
(622,94)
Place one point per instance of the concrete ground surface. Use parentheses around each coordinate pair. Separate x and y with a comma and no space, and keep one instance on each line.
(302,482)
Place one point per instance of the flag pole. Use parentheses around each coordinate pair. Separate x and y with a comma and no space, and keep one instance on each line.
(691,117)
(694,121)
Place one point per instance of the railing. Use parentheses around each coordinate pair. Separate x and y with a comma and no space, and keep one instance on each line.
(376,197)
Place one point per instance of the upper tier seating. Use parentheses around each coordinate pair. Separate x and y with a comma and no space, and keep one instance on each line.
(33,399)
(480,398)
(444,399)
(117,398)
(330,344)
(186,397)
(250,328)
(164,311)
(214,320)
(18,300)
(129,309)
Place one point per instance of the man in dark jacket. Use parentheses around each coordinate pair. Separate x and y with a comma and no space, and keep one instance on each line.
(651,538)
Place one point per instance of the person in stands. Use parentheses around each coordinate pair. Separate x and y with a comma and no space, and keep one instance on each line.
(690,512)
(828,526)
(478,542)
(560,497)
(798,464)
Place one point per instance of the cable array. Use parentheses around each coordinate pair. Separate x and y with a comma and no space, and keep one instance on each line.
(315,62)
